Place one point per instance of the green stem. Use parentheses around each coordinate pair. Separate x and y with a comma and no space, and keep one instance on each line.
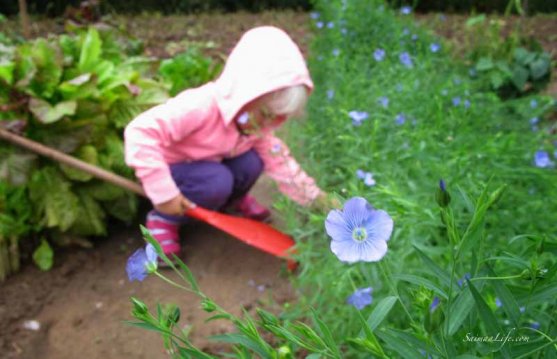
(169,281)
(388,275)
(496,278)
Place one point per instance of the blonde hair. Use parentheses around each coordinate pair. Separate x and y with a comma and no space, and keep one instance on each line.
(289,101)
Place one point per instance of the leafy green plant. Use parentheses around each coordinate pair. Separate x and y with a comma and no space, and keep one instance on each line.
(188,69)
(512,66)
(75,93)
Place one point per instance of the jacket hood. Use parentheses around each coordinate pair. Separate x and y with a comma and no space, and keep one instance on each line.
(264,60)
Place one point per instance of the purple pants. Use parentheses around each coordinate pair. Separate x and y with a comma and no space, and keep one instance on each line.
(214,185)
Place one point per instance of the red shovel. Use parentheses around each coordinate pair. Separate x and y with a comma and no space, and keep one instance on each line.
(251,232)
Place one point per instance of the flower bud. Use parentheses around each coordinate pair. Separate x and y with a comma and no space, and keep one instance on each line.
(442,196)
(208,305)
(139,308)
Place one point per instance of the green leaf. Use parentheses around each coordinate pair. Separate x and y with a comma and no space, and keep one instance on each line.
(540,68)
(523,56)
(460,309)
(88,154)
(39,68)
(15,168)
(381,311)
(90,217)
(398,344)
(510,306)
(80,87)
(7,71)
(43,256)
(58,206)
(496,79)
(519,77)
(244,341)
(47,113)
(327,336)
(90,51)
(124,208)
(104,191)
(473,21)
(488,318)
(434,269)
(123,111)
(484,64)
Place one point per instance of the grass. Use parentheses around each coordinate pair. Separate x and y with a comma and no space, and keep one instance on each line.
(475,149)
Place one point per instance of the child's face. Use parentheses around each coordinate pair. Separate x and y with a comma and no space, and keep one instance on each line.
(257,118)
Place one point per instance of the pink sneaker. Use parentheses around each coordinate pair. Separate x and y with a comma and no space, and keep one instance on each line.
(165,232)
(248,207)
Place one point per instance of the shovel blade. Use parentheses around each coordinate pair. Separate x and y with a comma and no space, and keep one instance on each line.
(251,232)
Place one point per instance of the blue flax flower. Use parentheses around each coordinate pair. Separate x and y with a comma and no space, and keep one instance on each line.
(361,298)
(434,304)
(369,180)
(534,103)
(534,121)
(357,117)
(456,101)
(406,10)
(142,262)
(379,54)
(359,232)
(400,119)
(330,94)
(314,15)
(541,159)
(330,25)
(435,47)
(466,103)
(461,281)
(384,101)
(498,303)
(406,60)
(361,174)
(336,52)
(319,24)
(535,325)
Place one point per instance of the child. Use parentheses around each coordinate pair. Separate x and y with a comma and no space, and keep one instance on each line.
(208,145)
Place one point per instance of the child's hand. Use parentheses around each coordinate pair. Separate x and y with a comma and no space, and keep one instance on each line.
(177,206)
(326,202)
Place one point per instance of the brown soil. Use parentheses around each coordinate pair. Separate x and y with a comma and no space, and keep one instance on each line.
(82,302)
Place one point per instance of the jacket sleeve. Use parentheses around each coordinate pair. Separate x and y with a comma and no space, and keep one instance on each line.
(146,137)
(291,179)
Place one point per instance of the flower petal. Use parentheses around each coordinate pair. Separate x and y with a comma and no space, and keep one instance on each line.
(356,210)
(151,253)
(336,226)
(379,226)
(135,267)
(372,250)
(346,250)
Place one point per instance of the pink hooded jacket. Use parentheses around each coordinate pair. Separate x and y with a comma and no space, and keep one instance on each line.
(199,124)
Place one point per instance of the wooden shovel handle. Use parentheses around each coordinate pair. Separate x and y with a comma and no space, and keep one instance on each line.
(75,163)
